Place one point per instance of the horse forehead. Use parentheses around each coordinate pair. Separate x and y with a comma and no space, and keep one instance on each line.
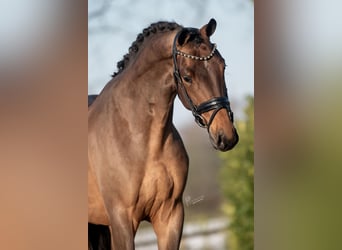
(203,47)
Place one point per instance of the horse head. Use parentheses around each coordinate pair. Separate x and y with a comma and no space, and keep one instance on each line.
(199,74)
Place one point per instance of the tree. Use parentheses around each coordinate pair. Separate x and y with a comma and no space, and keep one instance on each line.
(237,182)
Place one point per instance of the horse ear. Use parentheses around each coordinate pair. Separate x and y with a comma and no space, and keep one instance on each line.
(209,28)
(182,36)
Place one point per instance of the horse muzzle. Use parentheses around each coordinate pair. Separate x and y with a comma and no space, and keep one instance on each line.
(222,142)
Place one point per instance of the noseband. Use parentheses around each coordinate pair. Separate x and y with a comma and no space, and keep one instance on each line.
(216,103)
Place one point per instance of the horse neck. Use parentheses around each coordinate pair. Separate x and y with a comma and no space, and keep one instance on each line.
(144,92)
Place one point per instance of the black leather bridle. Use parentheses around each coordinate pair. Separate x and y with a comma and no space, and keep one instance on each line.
(216,103)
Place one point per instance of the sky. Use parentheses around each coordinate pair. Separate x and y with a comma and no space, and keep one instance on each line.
(110,36)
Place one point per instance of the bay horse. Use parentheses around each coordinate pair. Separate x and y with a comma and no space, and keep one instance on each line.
(137,163)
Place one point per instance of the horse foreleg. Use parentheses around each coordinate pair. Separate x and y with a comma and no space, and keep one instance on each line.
(168,226)
(121,231)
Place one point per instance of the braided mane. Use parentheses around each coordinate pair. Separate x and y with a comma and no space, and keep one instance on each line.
(152,29)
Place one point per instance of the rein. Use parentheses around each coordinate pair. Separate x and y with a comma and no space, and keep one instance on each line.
(216,103)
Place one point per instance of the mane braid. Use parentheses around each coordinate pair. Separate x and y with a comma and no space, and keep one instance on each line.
(151,30)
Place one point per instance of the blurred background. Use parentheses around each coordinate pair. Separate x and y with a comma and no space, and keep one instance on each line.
(219,193)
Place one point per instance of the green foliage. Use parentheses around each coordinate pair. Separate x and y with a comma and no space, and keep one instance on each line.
(237,183)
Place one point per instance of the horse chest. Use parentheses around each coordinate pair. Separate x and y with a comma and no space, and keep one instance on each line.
(164,181)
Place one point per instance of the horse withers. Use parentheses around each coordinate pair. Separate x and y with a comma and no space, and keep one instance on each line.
(138,165)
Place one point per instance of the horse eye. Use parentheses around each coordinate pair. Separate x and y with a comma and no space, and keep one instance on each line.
(187,79)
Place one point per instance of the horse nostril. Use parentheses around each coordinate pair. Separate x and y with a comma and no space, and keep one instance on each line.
(220,140)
